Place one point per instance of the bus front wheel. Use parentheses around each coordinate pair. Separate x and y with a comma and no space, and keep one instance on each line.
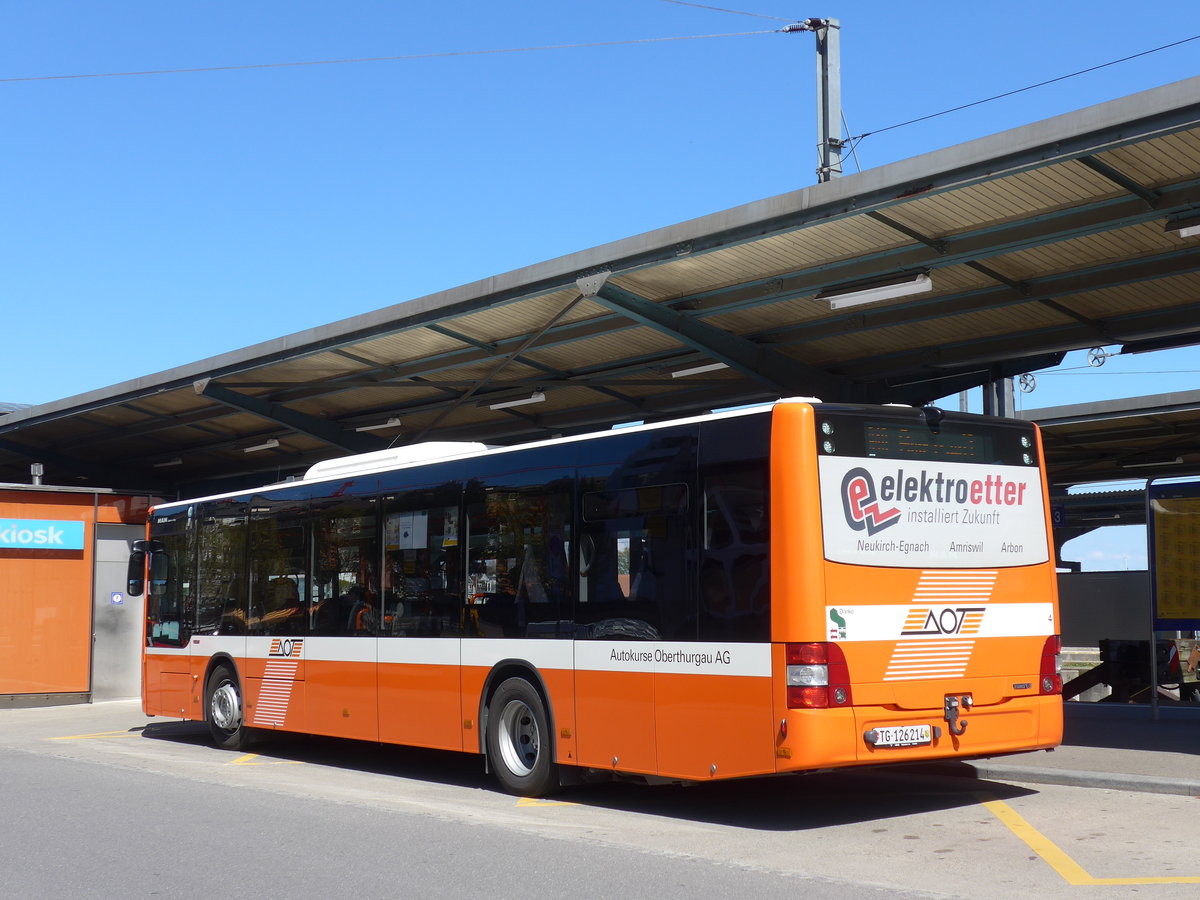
(225,717)
(518,740)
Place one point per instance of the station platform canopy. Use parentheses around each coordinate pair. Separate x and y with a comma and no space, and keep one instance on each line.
(903,283)
(1122,440)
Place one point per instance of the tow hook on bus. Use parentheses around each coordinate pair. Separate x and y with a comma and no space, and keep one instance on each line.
(952,708)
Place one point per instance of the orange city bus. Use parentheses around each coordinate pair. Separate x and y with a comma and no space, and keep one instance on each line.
(782,589)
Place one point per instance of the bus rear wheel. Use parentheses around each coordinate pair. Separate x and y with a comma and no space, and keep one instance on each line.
(224,710)
(518,740)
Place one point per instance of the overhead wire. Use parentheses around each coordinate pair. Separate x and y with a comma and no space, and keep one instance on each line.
(856,139)
(736,12)
(850,143)
(368,59)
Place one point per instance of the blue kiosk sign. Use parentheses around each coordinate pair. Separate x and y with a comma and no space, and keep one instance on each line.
(40,534)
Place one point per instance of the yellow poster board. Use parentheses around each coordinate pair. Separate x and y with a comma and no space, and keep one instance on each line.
(1176,523)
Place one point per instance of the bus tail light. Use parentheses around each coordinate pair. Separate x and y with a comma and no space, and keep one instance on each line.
(1050,673)
(817,676)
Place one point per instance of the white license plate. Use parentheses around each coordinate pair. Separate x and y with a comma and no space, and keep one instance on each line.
(903,736)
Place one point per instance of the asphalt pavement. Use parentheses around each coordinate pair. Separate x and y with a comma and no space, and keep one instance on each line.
(1106,745)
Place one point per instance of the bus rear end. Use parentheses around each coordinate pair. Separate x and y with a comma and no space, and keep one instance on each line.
(915,611)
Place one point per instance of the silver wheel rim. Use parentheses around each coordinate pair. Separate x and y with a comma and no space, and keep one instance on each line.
(226,707)
(519,740)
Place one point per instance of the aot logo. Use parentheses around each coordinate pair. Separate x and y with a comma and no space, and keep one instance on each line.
(286,647)
(861,504)
(947,620)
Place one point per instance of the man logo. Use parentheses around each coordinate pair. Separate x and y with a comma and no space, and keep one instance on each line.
(287,647)
(860,505)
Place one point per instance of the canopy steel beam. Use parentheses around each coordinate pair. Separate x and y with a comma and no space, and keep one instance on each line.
(321,429)
(984,351)
(1142,269)
(960,249)
(773,370)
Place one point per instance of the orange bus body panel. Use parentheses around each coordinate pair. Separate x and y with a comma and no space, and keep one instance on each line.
(422,705)
(615,715)
(715,726)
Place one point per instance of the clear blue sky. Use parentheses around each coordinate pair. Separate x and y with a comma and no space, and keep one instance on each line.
(152,221)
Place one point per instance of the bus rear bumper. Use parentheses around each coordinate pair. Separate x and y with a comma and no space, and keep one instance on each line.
(830,738)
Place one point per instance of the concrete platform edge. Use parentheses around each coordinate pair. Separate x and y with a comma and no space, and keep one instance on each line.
(986,771)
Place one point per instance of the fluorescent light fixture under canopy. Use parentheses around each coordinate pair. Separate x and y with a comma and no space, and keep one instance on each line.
(876,290)
(1185,226)
(699,370)
(269,444)
(535,397)
(393,422)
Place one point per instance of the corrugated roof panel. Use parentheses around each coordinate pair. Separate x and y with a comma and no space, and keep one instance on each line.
(237,422)
(1158,161)
(120,416)
(173,403)
(767,316)
(410,344)
(947,281)
(793,251)
(1162,293)
(523,317)
(347,402)
(1011,198)
(626,344)
(854,344)
(1085,252)
(318,367)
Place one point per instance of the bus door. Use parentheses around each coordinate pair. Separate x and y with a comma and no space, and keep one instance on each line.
(275,662)
(170,615)
(713,685)
(419,681)
(631,575)
(221,590)
(341,650)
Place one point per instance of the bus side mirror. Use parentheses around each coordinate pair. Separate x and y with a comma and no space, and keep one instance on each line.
(136,579)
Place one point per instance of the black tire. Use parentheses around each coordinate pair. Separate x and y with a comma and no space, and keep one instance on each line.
(519,741)
(224,711)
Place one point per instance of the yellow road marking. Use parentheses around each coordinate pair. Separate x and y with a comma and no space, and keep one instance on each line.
(534,801)
(252,759)
(1071,872)
(98,734)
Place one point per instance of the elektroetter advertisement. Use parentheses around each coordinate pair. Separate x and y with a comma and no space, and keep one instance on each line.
(887,512)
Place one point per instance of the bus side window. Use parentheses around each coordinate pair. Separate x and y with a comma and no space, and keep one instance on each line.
(422,583)
(278,566)
(735,530)
(517,562)
(346,559)
(735,568)
(221,553)
(632,570)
